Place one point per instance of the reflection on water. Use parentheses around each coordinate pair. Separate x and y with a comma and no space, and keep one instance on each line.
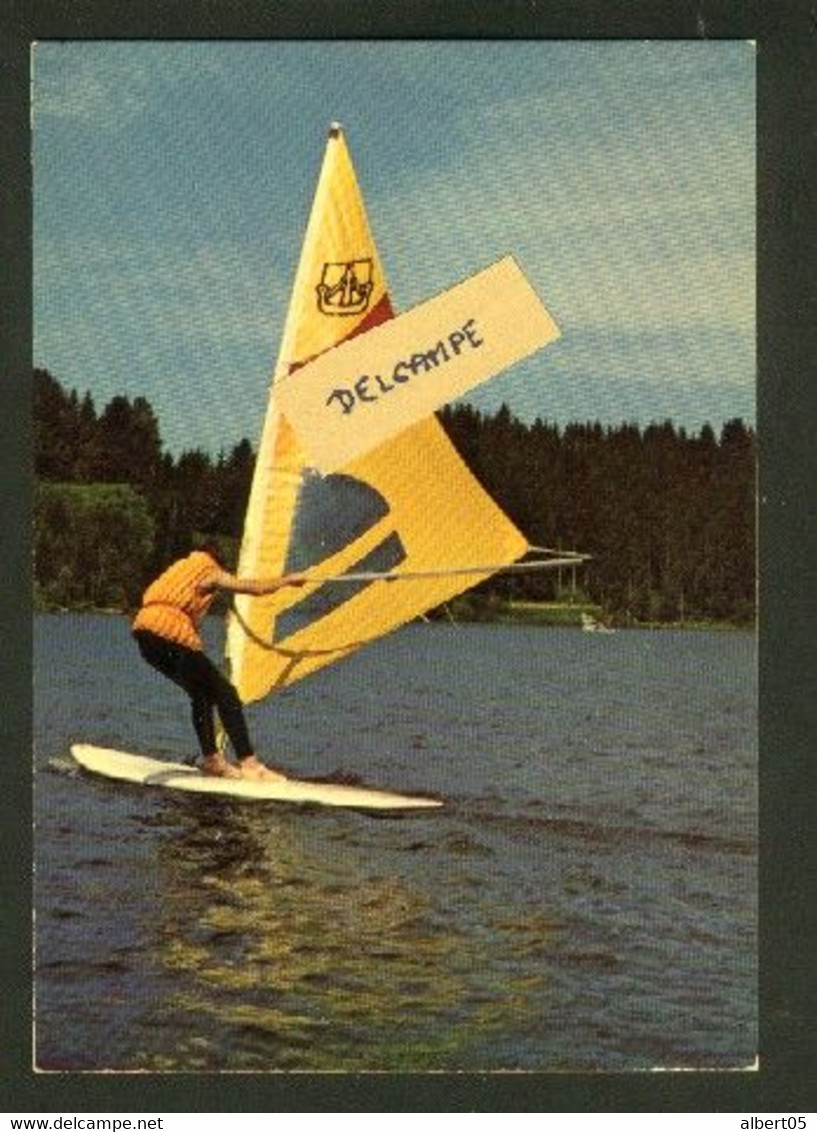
(276,960)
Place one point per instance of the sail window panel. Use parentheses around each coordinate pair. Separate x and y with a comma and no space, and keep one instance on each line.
(331,513)
(386,556)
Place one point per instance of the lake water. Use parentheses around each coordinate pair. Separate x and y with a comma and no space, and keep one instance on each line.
(585,900)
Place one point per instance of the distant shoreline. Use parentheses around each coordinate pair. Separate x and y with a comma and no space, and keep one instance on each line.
(547,614)
(569,615)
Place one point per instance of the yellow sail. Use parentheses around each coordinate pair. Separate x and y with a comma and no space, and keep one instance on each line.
(409,505)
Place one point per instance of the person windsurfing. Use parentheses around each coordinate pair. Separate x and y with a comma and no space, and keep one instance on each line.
(166,631)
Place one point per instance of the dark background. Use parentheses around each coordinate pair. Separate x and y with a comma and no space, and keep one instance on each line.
(787,36)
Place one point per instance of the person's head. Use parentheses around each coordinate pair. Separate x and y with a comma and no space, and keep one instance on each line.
(207,546)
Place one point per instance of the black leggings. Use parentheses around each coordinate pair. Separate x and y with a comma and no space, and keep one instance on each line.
(205,685)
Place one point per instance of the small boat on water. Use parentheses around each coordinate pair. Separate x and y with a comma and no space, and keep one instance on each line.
(591,625)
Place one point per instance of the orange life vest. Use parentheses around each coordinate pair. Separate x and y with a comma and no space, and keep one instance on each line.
(172,606)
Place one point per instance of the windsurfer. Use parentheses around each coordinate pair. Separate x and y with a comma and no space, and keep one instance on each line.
(166,631)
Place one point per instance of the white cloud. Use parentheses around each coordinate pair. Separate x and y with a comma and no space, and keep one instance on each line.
(80,86)
(107,84)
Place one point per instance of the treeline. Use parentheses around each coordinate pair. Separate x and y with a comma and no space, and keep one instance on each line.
(667,517)
(112,507)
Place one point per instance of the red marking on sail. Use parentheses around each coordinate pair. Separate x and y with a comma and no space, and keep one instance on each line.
(381,312)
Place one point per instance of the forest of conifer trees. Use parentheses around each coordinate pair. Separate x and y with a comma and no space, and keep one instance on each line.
(668,517)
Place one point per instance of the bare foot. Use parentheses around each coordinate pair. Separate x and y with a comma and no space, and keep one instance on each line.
(216,766)
(254,770)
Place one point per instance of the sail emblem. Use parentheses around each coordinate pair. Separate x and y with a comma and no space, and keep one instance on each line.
(345,288)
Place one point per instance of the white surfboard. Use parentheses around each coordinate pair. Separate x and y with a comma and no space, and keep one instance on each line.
(145,771)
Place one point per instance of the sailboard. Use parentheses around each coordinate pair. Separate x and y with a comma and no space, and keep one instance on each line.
(396,526)
(144,771)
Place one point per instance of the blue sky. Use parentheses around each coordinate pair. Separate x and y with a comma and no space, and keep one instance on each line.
(172,184)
